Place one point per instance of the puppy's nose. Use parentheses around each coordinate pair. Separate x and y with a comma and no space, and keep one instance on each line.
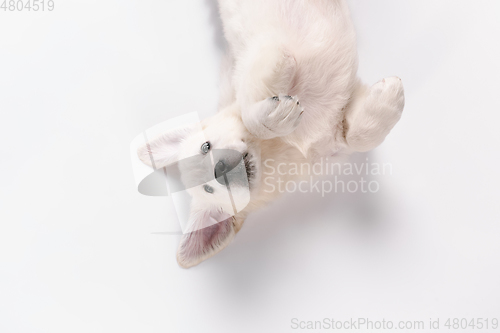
(224,167)
(220,169)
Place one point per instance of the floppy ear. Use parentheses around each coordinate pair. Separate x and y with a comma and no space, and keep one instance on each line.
(208,238)
(163,150)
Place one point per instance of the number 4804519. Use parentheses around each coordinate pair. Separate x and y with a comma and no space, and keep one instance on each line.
(27,5)
(474,323)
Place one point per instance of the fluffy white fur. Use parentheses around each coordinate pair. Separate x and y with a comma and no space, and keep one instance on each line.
(303,52)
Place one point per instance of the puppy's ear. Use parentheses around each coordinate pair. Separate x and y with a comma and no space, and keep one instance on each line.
(164,149)
(213,231)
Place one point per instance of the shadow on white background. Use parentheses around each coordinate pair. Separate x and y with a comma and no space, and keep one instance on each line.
(77,249)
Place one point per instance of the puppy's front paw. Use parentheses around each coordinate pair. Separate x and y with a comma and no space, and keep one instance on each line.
(283,116)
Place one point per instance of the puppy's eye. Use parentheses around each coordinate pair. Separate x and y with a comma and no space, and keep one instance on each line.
(205,147)
(208,189)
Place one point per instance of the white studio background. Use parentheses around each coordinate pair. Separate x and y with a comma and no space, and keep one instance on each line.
(78,249)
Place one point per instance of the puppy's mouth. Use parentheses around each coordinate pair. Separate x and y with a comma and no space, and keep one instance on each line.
(249,167)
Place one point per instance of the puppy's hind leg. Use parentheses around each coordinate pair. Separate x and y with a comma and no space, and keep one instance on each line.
(372,113)
(266,108)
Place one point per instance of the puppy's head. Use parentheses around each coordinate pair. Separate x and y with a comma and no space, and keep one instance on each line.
(223,158)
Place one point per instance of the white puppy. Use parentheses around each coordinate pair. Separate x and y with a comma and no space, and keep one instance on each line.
(289,94)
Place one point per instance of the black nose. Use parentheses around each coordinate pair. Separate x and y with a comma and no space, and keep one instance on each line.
(224,167)
(220,170)
(226,161)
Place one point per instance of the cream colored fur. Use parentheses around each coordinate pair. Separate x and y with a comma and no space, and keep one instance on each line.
(302,48)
